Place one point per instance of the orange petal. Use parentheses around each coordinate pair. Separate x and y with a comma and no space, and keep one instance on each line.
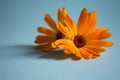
(70,28)
(85,54)
(94,56)
(47,48)
(62,43)
(64,11)
(70,23)
(46,31)
(63,29)
(61,14)
(99,43)
(82,21)
(95,30)
(95,48)
(67,44)
(81,30)
(77,53)
(104,34)
(67,51)
(91,52)
(44,39)
(73,50)
(83,18)
(98,33)
(92,20)
(93,34)
(50,22)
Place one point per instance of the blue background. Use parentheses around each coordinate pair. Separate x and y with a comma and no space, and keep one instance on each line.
(20,61)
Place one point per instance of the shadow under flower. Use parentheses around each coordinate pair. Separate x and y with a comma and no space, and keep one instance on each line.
(28,51)
(58,55)
(18,51)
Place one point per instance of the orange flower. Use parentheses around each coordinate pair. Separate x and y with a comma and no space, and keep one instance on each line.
(49,36)
(85,41)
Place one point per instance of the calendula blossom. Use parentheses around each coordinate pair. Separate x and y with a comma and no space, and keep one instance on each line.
(85,41)
(49,35)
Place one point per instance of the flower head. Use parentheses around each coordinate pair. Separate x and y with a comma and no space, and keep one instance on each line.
(49,35)
(85,41)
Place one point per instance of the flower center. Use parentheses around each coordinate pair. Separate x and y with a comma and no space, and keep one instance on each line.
(79,41)
(59,35)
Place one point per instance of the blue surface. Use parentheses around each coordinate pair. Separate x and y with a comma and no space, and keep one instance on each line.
(18,59)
